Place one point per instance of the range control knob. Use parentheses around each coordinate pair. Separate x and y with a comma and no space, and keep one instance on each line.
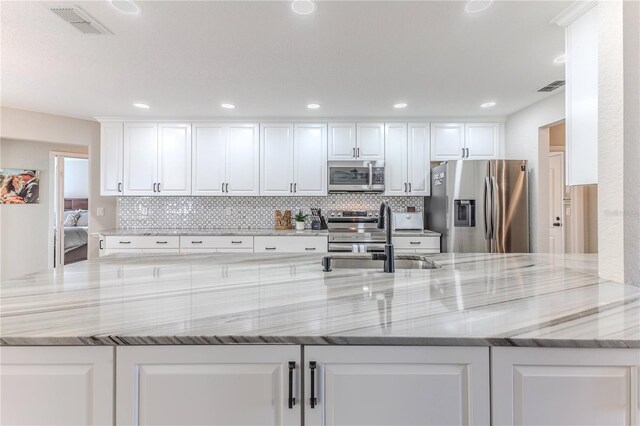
(333,214)
(370,214)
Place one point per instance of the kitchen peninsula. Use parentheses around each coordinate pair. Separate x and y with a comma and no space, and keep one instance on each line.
(200,328)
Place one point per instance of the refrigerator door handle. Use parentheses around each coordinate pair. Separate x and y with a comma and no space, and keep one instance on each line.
(494,207)
(488,204)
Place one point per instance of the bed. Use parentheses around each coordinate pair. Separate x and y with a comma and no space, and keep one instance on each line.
(76,230)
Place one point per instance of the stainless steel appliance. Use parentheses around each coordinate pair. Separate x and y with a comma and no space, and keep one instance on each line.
(355,231)
(356,176)
(480,206)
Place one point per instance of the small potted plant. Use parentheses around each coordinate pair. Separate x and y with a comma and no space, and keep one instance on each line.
(300,218)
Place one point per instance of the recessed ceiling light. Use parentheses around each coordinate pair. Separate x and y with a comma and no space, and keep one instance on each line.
(400,105)
(125,6)
(476,6)
(560,59)
(313,106)
(139,105)
(228,106)
(488,105)
(303,7)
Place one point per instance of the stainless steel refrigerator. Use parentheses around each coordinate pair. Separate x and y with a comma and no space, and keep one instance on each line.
(480,206)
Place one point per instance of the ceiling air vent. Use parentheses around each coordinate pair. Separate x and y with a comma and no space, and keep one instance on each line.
(80,20)
(552,86)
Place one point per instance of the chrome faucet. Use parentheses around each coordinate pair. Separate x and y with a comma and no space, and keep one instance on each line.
(385,219)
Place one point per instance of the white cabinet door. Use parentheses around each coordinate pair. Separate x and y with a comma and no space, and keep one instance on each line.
(419,161)
(209,159)
(207,385)
(56,385)
(310,159)
(395,164)
(111,158)
(482,141)
(140,158)
(397,385)
(174,159)
(447,141)
(342,141)
(370,141)
(552,386)
(243,160)
(292,244)
(276,159)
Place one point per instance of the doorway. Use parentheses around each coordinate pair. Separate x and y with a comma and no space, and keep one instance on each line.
(70,215)
(556,202)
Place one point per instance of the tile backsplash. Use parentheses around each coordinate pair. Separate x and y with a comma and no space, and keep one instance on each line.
(239,212)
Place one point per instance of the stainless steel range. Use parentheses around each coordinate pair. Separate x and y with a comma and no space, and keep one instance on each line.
(355,231)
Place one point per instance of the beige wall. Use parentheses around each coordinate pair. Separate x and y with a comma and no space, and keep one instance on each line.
(523,142)
(33,135)
(557,135)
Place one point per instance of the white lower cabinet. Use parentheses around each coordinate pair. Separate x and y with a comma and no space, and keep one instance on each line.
(208,385)
(553,386)
(396,385)
(417,244)
(294,244)
(56,385)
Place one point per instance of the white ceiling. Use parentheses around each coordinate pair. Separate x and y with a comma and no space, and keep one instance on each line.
(354,58)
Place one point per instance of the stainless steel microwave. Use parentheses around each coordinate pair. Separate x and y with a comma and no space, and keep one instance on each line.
(356,176)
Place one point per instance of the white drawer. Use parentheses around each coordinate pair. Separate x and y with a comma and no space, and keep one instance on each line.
(216,242)
(291,244)
(417,243)
(142,242)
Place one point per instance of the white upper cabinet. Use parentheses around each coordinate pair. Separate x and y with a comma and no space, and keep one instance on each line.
(310,159)
(342,141)
(140,158)
(111,158)
(407,159)
(370,141)
(209,159)
(581,95)
(174,159)
(482,141)
(243,160)
(276,159)
(465,141)
(395,166)
(447,141)
(419,159)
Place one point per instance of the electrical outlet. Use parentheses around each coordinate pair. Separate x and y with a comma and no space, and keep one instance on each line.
(100,211)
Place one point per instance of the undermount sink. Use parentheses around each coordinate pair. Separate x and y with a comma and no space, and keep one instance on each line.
(401,262)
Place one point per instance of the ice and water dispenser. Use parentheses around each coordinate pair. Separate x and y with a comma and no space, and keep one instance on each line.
(464,213)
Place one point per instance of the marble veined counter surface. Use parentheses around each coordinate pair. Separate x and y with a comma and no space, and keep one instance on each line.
(473,299)
(214,232)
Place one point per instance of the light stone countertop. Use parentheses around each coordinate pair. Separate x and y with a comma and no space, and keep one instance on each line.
(241,232)
(473,299)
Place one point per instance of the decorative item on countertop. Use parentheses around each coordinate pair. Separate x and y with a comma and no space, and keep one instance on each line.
(300,218)
(283,221)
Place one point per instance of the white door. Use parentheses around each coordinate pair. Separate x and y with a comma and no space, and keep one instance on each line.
(395,165)
(482,141)
(310,159)
(401,385)
(342,141)
(556,194)
(174,159)
(140,158)
(370,141)
(447,141)
(243,160)
(56,385)
(208,159)
(554,386)
(111,158)
(276,159)
(207,385)
(419,161)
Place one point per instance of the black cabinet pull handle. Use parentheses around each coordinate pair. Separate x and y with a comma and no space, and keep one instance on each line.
(292,400)
(310,248)
(125,242)
(100,246)
(269,248)
(414,242)
(196,242)
(161,242)
(158,187)
(313,400)
(119,187)
(409,186)
(236,242)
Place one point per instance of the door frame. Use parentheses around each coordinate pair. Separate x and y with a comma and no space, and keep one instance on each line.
(559,151)
(56,195)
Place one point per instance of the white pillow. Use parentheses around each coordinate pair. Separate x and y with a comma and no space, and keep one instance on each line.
(72,218)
